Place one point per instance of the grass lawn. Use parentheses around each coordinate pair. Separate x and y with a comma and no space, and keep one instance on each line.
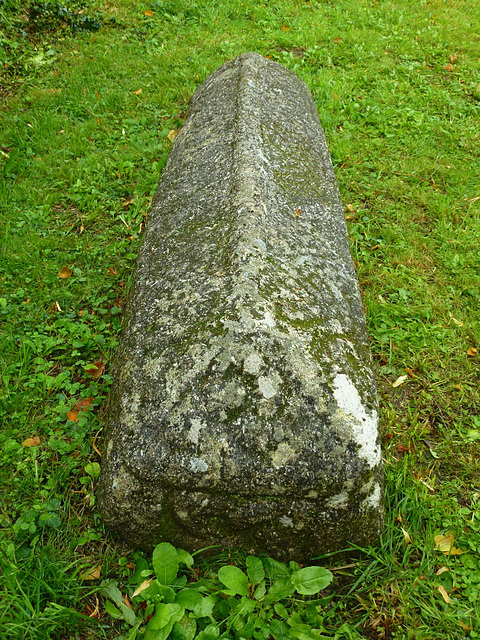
(89,97)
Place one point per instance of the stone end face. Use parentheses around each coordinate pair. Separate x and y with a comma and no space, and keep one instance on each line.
(244,408)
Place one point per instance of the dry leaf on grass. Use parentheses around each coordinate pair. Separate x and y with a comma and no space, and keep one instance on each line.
(443,593)
(472,352)
(83,404)
(93,613)
(92,574)
(172,134)
(31,442)
(65,273)
(145,584)
(95,369)
(399,381)
(406,537)
(444,543)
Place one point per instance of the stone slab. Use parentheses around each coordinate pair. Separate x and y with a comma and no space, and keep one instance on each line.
(244,407)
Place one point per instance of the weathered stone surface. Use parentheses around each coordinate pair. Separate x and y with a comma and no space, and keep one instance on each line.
(244,407)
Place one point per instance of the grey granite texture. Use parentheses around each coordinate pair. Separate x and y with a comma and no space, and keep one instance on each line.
(244,408)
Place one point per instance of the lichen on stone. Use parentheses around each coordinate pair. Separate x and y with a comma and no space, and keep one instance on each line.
(244,408)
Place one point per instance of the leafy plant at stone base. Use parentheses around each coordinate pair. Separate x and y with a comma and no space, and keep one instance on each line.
(172,601)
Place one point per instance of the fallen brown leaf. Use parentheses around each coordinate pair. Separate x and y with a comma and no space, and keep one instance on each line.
(453,58)
(94,445)
(148,13)
(73,416)
(472,352)
(126,600)
(172,134)
(145,584)
(92,574)
(95,369)
(284,27)
(94,613)
(65,273)
(31,442)
(406,537)
(139,91)
(448,67)
(444,543)
(83,404)
(399,381)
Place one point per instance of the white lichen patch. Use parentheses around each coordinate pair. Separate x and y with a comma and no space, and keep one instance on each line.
(198,465)
(374,499)
(253,363)
(172,386)
(364,425)
(286,521)
(260,244)
(338,501)
(233,395)
(282,455)
(301,260)
(268,386)
(130,409)
(335,326)
(268,320)
(193,433)
(152,366)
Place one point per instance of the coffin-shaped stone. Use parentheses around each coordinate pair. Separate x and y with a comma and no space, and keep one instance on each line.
(244,408)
